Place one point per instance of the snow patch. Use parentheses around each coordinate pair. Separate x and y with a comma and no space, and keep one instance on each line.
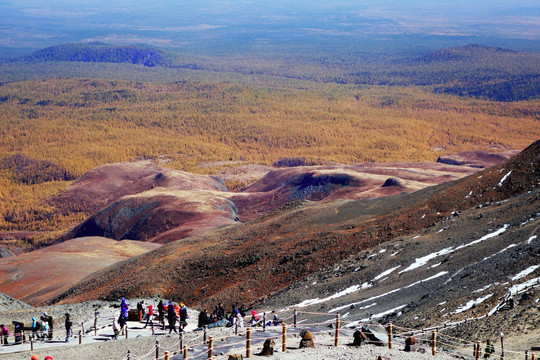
(517,288)
(424,260)
(505,177)
(383,314)
(525,272)
(531,239)
(483,238)
(347,291)
(471,304)
(389,292)
(500,252)
(384,273)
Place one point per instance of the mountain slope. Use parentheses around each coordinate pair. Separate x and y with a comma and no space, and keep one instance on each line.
(39,275)
(246,263)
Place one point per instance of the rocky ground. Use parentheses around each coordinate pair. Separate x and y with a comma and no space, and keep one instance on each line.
(141,342)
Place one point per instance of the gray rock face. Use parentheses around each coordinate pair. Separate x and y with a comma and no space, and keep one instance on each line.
(7,303)
(376,334)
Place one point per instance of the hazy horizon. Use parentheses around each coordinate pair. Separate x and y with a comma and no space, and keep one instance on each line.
(35,24)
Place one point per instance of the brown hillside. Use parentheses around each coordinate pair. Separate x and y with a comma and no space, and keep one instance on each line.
(245,263)
(39,275)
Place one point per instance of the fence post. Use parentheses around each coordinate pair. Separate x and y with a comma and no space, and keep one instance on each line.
(295,317)
(502,346)
(157,349)
(248,342)
(153,332)
(336,339)
(128,355)
(284,339)
(205,334)
(82,327)
(181,341)
(185,352)
(236,327)
(210,347)
(533,357)
(433,343)
(95,322)
(167,355)
(80,337)
(526,354)
(31,344)
(390,335)
(264,321)
(477,351)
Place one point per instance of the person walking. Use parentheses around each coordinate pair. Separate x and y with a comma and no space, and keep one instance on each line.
(150,316)
(124,309)
(161,314)
(171,317)
(4,332)
(68,325)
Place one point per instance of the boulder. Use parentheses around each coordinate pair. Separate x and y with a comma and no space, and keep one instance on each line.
(359,338)
(410,344)
(236,357)
(307,339)
(376,334)
(268,348)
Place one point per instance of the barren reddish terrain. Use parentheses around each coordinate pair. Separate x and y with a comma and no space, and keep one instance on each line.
(41,274)
(246,263)
(143,201)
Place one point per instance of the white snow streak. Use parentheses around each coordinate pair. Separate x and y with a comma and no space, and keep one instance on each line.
(380,315)
(390,292)
(347,291)
(531,239)
(424,260)
(505,177)
(471,304)
(517,288)
(384,273)
(483,238)
(525,272)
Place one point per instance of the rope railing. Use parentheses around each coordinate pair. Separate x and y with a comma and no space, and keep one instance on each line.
(428,339)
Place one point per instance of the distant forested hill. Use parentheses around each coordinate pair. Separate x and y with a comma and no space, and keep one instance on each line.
(474,70)
(99,52)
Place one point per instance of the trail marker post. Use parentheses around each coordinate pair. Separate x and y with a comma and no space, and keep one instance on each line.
(336,337)
(210,347)
(284,338)
(433,343)
(390,335)
(502,346)
(248,342)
